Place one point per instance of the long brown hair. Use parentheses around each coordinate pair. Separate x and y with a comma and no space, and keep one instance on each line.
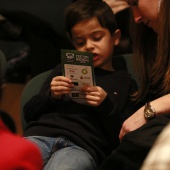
(152,55)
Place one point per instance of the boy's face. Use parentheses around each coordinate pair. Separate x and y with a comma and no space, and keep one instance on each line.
(90,36)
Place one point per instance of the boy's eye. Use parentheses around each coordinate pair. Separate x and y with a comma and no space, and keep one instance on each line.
(78,42)
(97,38)
(133,2)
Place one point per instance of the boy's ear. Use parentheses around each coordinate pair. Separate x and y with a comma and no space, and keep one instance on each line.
(117,36)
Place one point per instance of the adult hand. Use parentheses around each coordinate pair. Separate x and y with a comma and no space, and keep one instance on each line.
(94,95)
(60,85)
(161,105)
(133,122)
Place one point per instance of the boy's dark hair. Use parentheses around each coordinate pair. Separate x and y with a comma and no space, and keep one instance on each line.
(86,9)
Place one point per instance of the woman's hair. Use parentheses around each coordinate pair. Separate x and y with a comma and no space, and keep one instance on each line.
(82,10)
(152,55)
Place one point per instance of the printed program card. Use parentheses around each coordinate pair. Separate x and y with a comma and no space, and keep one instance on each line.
(78,66)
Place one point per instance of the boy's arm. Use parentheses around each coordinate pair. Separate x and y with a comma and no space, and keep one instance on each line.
(113,111)
(110,117)
(42,102)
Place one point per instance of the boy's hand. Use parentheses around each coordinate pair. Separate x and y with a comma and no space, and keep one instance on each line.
(60,85)
(94,95)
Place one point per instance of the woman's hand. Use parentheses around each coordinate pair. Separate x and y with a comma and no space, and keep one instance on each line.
(161,105)
(94,95)
(133,122)
(60,85)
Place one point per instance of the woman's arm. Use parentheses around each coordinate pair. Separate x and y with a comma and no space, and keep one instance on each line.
(161,106)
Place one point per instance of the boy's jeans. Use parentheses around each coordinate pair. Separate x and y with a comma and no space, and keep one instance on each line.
(61,154)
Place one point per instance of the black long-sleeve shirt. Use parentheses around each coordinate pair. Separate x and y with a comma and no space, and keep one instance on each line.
(95,129)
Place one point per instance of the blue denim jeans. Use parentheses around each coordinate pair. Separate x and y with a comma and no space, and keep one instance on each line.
(62,154)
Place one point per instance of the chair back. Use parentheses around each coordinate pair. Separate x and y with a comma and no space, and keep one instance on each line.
(32,88)
(125,63)
(2,65)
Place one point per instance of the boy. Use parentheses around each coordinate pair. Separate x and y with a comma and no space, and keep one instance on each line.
(72,135)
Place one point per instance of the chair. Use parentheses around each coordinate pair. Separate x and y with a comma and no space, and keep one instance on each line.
(7,119)
(32,88)
(2,65)
(123,63)
(2,69)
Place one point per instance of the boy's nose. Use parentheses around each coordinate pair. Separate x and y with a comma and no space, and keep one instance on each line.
(89,45)
(136,15)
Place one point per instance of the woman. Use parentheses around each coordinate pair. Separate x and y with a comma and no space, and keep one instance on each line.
(151,39)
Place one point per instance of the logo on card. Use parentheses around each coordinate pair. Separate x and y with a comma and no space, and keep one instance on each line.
(70,57)
(84,71)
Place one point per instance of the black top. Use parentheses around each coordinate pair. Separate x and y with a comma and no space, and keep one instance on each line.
(136,145)
(95,129)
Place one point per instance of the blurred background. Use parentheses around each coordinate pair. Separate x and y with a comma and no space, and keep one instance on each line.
(32,33)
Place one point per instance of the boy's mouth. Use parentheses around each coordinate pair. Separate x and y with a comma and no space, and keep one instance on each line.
(95,57)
